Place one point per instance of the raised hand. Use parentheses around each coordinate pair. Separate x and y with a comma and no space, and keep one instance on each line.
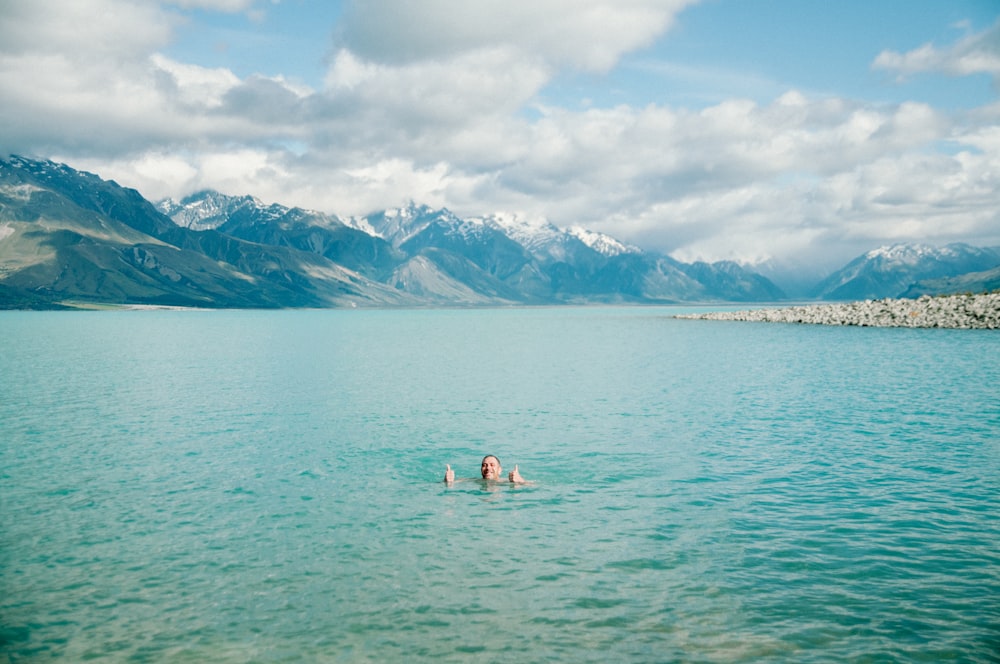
(449,474)
(515,476)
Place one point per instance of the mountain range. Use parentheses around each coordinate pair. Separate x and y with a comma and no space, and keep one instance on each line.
(910,270)
(70,238)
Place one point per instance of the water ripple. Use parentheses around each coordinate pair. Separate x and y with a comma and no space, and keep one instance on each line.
(265,486)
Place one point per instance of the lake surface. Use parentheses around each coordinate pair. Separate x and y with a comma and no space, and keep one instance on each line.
(251,486)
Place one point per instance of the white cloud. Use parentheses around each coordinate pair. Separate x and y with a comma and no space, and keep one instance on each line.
(87,75)
(83,30)
(156,175)
(77,72)
(484,81)
(196,86)
(976,54)
(590,36)
(215,5)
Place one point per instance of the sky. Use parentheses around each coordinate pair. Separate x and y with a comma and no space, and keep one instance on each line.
(796,133)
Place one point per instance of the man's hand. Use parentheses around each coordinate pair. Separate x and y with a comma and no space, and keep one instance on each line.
(515,476)
(449,474)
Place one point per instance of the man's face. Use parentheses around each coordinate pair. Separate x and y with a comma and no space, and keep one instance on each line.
(491,468)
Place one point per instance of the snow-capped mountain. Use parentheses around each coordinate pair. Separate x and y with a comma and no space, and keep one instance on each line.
(397,225)
(247,218)
(501,257)
(210,210)
(547,241)
(205,209)
(539,237)
(601,243)
(102,242)
(890,270)
(92,241)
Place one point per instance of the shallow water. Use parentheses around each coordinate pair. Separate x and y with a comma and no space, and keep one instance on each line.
(265,486)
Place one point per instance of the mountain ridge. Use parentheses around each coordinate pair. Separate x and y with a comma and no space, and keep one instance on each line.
(73,237)
(891,270)
(70,236)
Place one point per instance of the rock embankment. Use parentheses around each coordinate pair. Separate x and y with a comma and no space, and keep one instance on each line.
(952,311)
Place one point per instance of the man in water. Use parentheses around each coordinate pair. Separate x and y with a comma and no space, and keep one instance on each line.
(490,469)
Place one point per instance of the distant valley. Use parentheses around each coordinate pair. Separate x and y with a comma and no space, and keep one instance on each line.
(69,238)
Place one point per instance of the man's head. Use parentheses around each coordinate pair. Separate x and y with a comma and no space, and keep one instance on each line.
(491,467)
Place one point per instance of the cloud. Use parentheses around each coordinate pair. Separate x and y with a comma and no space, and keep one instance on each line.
(215,5)
(561,33)
(489,82)
(442,80)
(84,31)
(87,78)
(192,85)
(77,72)
(738,180)
(975,54)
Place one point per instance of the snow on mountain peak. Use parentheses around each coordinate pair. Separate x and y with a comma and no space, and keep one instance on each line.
(601,243)
(205,209)
(529,233)
(512,220)
(902,253)
(397,225)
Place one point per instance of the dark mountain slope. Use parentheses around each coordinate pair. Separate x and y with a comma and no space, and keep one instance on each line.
(71,236)
(890,271)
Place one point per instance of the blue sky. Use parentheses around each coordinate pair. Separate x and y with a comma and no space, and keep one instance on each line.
(717,49)
(820,48)
(793,131)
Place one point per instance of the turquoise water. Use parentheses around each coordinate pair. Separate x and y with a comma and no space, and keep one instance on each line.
(192,486)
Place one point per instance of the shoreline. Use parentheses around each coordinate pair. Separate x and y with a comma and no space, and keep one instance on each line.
(978,312)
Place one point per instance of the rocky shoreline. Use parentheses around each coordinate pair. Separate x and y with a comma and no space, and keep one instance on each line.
(951,311)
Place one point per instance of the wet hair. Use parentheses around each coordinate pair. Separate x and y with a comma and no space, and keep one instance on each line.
(491,456)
